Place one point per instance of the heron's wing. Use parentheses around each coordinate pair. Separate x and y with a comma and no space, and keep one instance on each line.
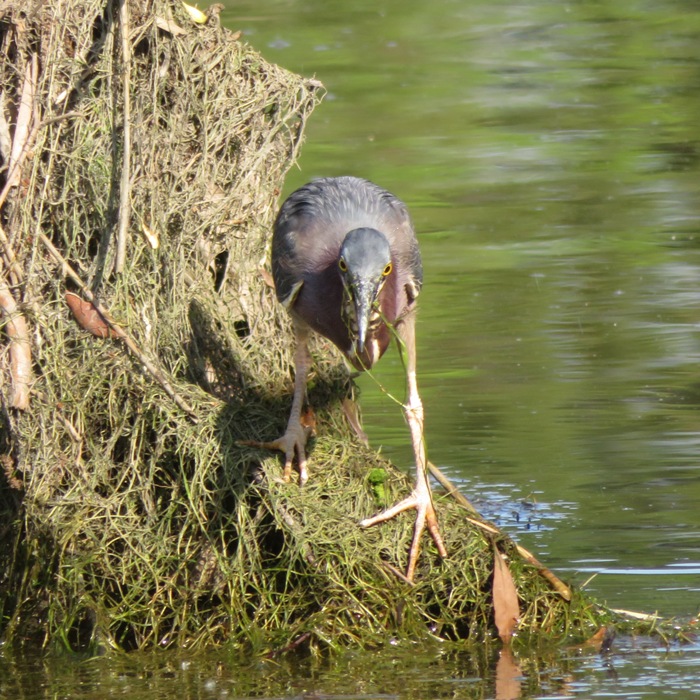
(285,268)
(287,300)
(289,253)
(308,232)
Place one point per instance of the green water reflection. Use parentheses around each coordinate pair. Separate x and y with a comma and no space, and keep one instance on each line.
(549,154)
(392,674)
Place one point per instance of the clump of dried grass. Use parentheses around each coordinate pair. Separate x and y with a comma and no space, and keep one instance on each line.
(120,456)
(146,182)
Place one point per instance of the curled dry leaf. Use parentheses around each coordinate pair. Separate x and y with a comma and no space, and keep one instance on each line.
(88,317)
(506,608)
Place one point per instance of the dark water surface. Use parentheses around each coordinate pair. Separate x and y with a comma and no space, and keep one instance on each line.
(631,672)
(550,155)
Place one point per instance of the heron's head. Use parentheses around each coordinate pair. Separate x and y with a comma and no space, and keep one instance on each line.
(364,264)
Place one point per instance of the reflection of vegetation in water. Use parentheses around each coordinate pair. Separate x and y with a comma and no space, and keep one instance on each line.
(397,671)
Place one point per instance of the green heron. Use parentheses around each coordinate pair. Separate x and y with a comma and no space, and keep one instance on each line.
(346,264)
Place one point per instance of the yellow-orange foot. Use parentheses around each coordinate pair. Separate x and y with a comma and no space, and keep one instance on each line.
(425,517)
(293,445)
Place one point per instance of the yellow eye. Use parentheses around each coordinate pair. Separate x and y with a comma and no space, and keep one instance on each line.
(342,265)
(387,270)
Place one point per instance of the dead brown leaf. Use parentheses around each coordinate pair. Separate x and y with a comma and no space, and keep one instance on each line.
(88,317)
(506,608)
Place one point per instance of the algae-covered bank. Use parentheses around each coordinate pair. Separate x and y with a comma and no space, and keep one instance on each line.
(143,151)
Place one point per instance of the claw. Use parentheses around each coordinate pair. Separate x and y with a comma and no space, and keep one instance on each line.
(293,445)
(425,517)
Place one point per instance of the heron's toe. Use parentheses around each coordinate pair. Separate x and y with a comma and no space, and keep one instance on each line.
(293,445)
(425,518)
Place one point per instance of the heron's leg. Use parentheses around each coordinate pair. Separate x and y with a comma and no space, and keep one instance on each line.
(421,498)
(293,442)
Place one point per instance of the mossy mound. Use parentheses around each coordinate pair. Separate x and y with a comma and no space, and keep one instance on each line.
(144,155)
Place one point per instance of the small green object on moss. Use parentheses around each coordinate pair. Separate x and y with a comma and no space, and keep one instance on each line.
(376,478)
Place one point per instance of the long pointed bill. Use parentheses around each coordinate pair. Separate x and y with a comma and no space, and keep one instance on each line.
(364,299)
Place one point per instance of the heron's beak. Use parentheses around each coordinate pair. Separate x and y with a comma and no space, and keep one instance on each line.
(364,295)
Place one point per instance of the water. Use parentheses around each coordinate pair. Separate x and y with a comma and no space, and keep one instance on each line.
(549,155)
(635,670)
